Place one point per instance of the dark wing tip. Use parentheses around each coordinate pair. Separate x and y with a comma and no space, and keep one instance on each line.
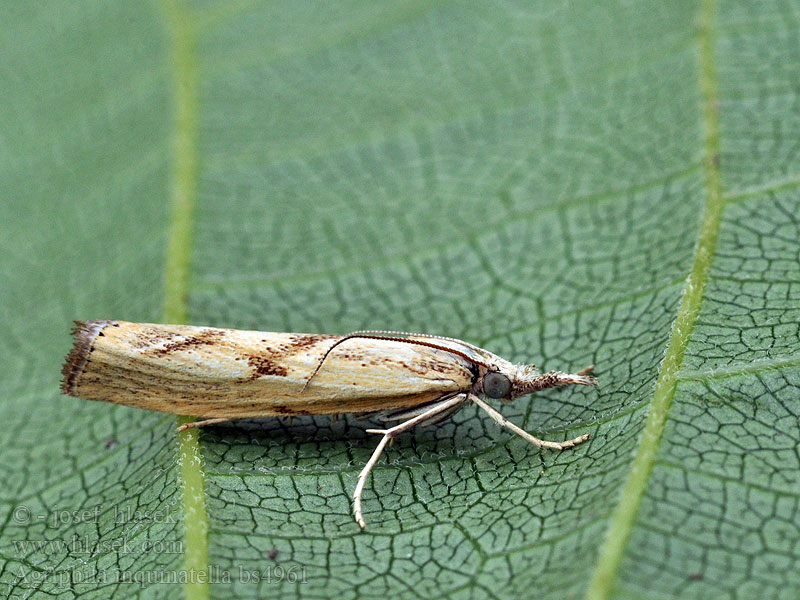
(85,333)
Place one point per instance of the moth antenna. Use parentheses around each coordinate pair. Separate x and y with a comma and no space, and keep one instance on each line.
(390,332)
(390,339)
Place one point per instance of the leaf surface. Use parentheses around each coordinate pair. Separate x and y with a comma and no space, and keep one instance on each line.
(566,184)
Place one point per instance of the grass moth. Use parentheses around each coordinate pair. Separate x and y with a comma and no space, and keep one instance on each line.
(226,374)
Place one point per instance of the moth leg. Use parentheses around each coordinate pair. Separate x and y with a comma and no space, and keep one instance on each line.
(399,415)
(503,422)
(440,416)
(408,413)
(203,423)
(586,370)
(362,478)
(389,434)
(429,421)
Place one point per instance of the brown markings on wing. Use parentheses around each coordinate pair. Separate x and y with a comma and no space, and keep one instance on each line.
(426,365)
(353,356)
(146,338)
(304,341)
(285,410)
(149,339)
(264,365)
(271,361)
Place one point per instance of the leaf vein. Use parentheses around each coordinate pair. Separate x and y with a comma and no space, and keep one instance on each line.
(626,511)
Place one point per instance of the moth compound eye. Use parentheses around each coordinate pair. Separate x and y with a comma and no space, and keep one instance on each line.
(496,385)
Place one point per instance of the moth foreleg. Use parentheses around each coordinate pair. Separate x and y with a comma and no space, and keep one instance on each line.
(498,418)
(202,423)
(388,434)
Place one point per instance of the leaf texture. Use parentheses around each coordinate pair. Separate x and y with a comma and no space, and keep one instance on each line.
(572,183)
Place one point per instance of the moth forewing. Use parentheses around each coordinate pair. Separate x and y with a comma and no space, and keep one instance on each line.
(211,372)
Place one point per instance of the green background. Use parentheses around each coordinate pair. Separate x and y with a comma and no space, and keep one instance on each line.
(562,183)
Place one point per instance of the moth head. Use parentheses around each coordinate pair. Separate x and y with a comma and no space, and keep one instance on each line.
(508,382)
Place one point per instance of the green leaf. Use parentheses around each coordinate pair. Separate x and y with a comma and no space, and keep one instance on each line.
(565,183)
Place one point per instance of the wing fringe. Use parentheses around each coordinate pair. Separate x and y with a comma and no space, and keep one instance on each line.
(84,333)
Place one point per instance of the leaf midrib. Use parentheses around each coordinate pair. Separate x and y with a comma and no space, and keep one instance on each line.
(176,284)
(626,511)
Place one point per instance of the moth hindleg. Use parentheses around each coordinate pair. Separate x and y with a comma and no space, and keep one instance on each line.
(435,410)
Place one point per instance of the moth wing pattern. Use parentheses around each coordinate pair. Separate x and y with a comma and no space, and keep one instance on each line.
(471,352)
(211,372)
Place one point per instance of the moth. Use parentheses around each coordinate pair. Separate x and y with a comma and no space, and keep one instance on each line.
(221,375)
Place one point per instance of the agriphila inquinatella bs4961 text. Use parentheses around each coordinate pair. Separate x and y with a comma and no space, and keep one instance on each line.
(226,374)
